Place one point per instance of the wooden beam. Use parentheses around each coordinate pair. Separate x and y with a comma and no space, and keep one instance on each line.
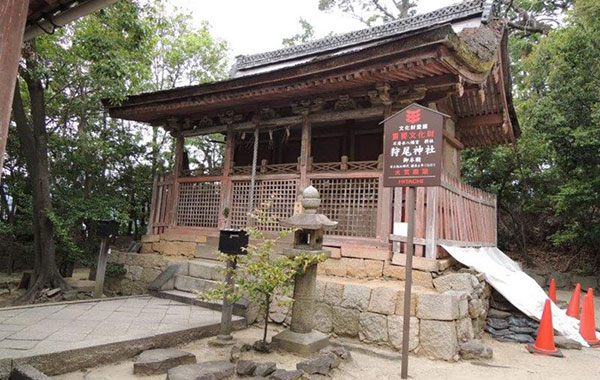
(13,14)
(453,243)
(453,141)
(467,123)
(364,113)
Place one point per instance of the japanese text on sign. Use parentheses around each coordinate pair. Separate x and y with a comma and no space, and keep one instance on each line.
(412,147)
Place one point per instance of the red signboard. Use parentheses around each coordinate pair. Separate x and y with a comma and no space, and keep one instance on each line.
(412,147)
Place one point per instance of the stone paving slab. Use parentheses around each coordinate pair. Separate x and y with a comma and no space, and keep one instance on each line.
(68,336)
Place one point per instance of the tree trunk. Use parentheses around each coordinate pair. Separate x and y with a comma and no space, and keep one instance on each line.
(34,143)
(267,309)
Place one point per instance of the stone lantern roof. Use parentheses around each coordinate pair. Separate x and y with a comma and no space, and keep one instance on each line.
(309,219)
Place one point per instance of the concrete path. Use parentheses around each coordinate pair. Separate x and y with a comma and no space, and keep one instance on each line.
(58,338)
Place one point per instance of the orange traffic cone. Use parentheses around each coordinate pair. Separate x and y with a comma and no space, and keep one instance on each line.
(573,309)
(552,290)
(587,326)
(544,343)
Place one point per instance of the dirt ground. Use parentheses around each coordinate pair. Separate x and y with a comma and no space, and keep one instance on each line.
(79,281)
(510,361)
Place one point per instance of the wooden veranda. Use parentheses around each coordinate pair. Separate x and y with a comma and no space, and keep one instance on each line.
(316,110)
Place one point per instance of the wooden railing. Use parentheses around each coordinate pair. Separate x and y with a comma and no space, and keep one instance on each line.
(202,172)
(162,203)
(266,168)
(466,214)
(344,165)
(452,214)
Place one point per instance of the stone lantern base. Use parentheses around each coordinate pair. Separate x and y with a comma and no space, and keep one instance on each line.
(308,239)
(301,343)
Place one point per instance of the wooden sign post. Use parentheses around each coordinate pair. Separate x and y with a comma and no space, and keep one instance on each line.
(105,230)
(412,157)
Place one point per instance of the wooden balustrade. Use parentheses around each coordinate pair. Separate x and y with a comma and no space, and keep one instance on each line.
(452,214)
(345,165)
(162,203)
(266,168)
(202,172)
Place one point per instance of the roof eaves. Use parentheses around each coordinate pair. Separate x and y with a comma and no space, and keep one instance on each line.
(450,13)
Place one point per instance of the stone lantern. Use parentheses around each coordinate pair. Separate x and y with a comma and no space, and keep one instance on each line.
(308,239)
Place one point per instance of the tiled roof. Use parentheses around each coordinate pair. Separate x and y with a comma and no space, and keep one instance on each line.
(465,9)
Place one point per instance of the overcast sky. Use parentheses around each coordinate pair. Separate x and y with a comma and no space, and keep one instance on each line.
(255,26)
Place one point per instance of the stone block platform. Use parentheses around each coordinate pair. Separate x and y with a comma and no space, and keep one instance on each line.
(65,337)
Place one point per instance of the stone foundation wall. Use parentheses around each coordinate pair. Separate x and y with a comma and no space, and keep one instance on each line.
(447,307)
(142,268)
(170,244)
(440,318)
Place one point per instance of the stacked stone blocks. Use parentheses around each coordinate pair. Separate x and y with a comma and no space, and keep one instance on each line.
(170,244)
(141,270)
(441,318)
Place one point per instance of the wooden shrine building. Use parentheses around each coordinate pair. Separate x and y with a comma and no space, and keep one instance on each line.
(316,109)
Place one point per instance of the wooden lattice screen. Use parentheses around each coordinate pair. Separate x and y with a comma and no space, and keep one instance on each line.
(199,204)
(162,201)
(281,194)
(352,202)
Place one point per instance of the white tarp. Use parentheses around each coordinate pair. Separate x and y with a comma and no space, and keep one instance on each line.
(506,276)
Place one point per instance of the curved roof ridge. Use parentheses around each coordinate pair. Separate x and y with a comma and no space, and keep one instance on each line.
(452,12)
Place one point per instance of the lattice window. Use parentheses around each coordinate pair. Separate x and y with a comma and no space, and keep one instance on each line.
(281,193)
(352,202)
(199,204)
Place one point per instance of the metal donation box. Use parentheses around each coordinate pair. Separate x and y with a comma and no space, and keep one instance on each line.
(233,242)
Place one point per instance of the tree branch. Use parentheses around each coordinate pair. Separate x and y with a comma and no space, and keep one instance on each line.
(383,9)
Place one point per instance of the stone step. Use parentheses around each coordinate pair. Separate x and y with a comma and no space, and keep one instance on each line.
(206,269)
(192,284)
(209,249)
(240,308)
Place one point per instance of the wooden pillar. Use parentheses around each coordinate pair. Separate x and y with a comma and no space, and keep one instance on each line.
(153,205)
(13,15)
(177,170)
(101,268)
(224,220)
(385,205)
(179,146)
(305,153)
(251,204)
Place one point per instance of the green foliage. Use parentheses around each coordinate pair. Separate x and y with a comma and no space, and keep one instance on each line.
(563,103)
(115,270)
(371,12)
(548,184)
(103,168)
(306,35)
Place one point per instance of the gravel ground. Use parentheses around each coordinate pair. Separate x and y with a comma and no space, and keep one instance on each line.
(511,361)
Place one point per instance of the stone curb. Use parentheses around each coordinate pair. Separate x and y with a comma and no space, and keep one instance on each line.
(90,355)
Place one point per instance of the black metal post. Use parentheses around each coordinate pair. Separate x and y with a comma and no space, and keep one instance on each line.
(227,310)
